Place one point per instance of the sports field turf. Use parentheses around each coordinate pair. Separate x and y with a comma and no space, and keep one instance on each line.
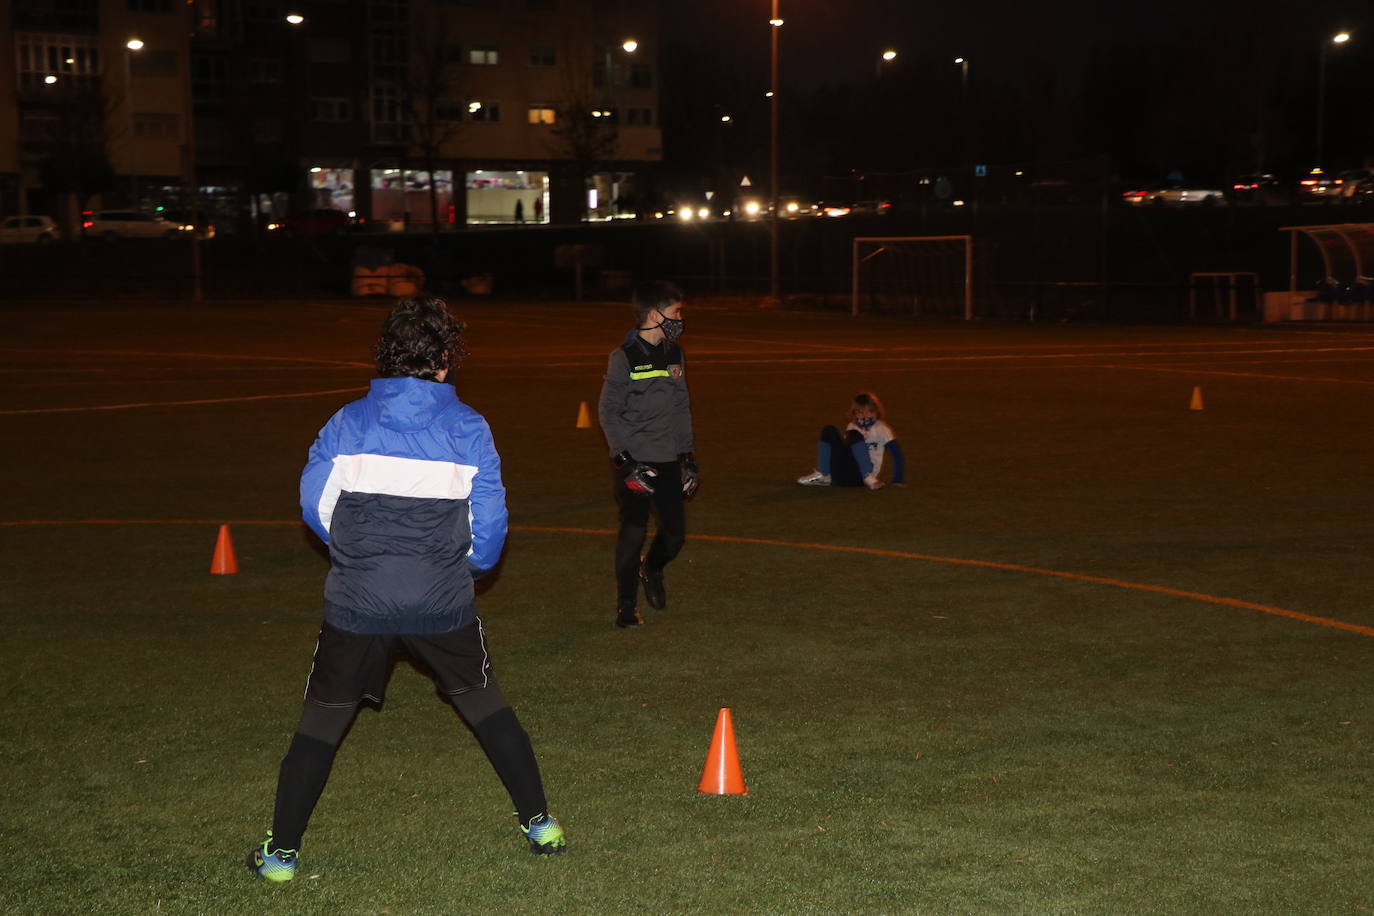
(1105,654)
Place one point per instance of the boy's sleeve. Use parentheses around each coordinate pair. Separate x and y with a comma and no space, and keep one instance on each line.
(682,412)
(612,401)
(488,517)
(317,496)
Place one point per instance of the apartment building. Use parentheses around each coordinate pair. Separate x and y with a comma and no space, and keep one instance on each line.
(402,111)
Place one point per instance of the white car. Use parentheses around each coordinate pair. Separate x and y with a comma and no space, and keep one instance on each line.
(130,224)
(1176,196)
(38,229)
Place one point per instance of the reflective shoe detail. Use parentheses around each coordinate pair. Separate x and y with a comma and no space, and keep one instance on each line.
(276,865)
(654,592)
(630,618)
(815,479)
(546,836)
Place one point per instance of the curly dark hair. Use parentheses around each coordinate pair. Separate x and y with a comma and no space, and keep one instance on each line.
(419,338)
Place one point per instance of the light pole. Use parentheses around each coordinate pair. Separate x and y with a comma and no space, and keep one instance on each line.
(775,26)
(1339,38)
(963,105)
(629,46)
(189,173)
(131,47)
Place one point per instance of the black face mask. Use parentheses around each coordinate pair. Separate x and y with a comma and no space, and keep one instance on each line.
(672,328)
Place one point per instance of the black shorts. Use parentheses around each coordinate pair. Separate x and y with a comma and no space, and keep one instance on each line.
(351,667)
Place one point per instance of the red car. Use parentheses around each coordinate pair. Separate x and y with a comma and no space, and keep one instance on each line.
(323,221)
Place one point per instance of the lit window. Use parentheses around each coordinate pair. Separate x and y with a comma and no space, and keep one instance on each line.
(489,112)
(543,114)
(483,55)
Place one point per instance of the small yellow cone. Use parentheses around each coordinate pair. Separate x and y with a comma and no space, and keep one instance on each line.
(584,417)
(1196,403)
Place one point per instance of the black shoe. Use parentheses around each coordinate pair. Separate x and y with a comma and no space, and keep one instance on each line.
(625,618)
(653,586)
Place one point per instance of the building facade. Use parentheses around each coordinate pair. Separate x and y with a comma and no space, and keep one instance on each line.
(407,112)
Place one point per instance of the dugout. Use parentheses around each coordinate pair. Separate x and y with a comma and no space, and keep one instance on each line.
(1346,289)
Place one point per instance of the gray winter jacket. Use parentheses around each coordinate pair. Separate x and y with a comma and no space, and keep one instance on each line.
(644,408)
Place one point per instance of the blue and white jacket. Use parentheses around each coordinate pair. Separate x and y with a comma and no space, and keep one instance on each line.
(404,485)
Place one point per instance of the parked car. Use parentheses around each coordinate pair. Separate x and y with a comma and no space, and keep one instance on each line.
(1317,187)
(320,221)
(870,207)
(1363,192)
(131,224)
(39,229)
(1185,196)
(1347,181)
(183,219)
(1259,189)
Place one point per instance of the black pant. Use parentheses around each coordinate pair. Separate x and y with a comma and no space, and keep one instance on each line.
(667,504)
(844,470)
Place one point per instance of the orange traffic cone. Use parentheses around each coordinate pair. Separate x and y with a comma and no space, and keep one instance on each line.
(1196,402)
(722,775)
(224,562)
(584,417)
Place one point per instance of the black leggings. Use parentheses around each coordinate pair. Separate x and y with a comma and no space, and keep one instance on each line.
(844,469)
(667,504)
(305,768)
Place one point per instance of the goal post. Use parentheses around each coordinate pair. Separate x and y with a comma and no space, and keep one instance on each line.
(925,273)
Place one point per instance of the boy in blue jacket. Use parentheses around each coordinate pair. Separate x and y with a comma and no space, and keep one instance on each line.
(404,486)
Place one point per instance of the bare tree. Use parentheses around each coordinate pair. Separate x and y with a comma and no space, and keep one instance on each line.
(434,96)
(76,159)
(584,130)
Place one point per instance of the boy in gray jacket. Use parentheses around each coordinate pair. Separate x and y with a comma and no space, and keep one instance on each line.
(646,416)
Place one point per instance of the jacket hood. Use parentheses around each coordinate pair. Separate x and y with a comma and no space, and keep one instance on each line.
(409,404)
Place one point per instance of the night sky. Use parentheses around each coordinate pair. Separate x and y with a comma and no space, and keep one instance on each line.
(1208,87)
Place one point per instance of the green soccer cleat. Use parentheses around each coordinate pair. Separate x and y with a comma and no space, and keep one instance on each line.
(275,865)
(545,835)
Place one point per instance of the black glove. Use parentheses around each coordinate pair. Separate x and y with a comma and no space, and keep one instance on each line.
(639,477)
(691,474)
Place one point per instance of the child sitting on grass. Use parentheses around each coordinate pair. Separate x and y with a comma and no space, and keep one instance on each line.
(855,458)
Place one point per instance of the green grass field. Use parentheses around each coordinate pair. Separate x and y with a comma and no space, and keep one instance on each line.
(1105,654)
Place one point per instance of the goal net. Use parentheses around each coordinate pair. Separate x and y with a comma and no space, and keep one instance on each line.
(925,275)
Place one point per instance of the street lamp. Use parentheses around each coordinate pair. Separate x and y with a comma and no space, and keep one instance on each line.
(629,46)
(887,57)
(775,26)
(132,47)
(963,102)
(1339,38)
(189,176)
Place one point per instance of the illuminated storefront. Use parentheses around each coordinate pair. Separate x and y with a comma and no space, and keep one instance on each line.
(403,195)
(507,197)
(332,189)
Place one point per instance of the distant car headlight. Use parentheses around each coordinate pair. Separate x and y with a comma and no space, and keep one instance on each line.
(273,226)
(685,214)
(793,207)
(752,208)
(704,213)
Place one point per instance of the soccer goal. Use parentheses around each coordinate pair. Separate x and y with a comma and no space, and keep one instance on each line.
(914,275)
